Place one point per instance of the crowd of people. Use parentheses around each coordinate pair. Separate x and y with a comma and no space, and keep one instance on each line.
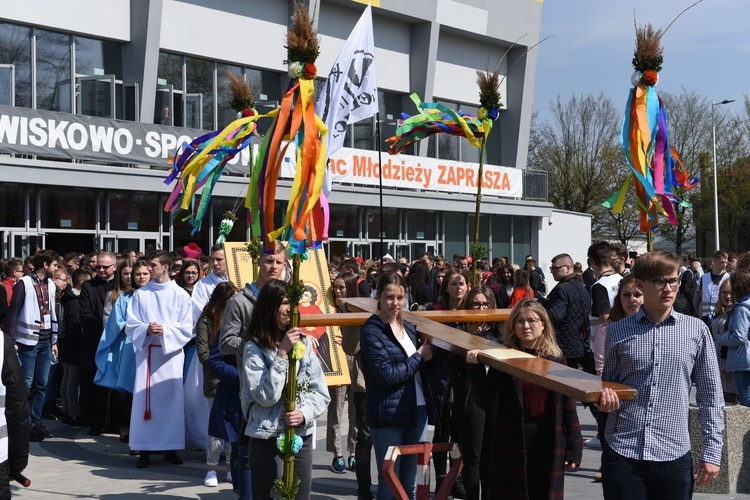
(112,342)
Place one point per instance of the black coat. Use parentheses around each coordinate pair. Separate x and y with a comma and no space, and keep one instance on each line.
(16,410)
(69,339)
(91,302)
(568,306)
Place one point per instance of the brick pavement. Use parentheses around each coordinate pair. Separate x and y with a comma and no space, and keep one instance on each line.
(72,465)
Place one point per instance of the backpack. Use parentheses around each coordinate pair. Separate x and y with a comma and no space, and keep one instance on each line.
(541,284)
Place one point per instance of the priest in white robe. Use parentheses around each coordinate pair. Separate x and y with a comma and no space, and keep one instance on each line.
(159,324)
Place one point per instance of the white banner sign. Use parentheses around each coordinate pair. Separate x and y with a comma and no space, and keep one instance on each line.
(359,166)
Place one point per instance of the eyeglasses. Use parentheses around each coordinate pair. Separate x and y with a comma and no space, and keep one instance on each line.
(661,283)
(18,271)
(532,322)
(103,267)
(555,268)
(480,305)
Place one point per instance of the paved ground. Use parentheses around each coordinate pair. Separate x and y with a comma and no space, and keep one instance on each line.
(72,465)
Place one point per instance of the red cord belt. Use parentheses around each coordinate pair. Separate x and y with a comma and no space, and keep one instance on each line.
(147,413)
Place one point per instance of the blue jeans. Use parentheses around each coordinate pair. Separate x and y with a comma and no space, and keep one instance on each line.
(238,464)
(627,478)
(36,361)
(406,466)
(742,381)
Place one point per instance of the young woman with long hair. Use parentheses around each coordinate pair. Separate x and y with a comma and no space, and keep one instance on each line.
(474,422)
(537,434)
(452,295)
(504,294)
(627,302)
(718,326)
(418,289)
(115,355)
(521,288)
(265,362)
(190,273)
(206,329)
(344,285)
(392,359)
(737,336)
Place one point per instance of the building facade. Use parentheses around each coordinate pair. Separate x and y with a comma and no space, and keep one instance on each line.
(94,100)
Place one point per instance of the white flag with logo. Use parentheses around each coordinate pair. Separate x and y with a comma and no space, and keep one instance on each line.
(350,93)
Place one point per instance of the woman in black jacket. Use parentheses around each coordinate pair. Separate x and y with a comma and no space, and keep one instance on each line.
(391,361)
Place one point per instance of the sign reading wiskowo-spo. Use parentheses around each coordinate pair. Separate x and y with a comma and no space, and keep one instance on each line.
(64,135)
(358,166)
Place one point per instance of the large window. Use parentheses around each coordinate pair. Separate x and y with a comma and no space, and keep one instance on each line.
(68,208)
(226,114)
(15,49)
(98,57)
(53,71)
(501,235)
(420,225)
(133,211)
(168,104)
(389,226)
(521,238)
(344,222)
(12,210)
(199,100)
(455,234)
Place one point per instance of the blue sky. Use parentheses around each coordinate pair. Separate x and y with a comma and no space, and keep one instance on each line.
(707,50)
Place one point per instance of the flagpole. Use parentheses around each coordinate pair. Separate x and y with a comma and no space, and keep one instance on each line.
(380,185)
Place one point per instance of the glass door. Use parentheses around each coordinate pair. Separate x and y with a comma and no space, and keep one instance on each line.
(363,250)
(24,244)
(168,106)
(131,102)
(95,96)
(194,111)
(402,250)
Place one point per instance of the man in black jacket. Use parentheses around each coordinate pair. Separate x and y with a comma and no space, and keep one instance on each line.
(93,294)
(14,445)
(568,307)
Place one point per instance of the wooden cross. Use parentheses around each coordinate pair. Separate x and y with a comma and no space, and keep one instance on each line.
(549,374)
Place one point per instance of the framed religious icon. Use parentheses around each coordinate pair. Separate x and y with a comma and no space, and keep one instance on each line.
(317,299)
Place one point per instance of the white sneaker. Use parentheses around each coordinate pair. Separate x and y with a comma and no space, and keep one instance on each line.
(229,477)
(593,443)
(211,480)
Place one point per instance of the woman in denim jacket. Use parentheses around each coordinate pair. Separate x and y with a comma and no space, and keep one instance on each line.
(265,364)
(736,337)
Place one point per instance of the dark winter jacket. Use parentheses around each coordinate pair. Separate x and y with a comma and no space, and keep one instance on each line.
(568,306)
(93,294)
(509,462)
(225,420)
(16,410)
(69,339)
(389,375)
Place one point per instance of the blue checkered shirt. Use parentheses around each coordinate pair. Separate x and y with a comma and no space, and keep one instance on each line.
(661,361)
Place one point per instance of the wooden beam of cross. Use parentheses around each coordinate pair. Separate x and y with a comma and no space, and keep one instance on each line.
(549,374)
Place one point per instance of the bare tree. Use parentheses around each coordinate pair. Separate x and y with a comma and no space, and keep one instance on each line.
(733,168)
(689,116)
(579,148)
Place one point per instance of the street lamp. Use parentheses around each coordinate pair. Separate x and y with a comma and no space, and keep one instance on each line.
(716,189)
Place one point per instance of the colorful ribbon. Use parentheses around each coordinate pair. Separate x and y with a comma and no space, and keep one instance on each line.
(655,167)
(202,162)
(434,118)
(306,220)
